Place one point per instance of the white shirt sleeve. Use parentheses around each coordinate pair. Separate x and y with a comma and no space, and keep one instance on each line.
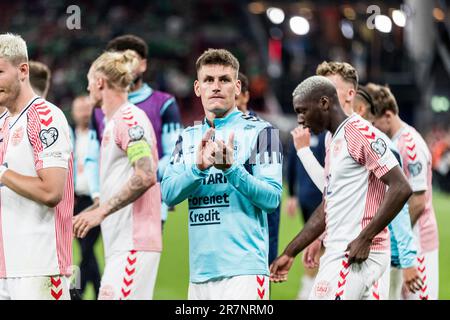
(312,167)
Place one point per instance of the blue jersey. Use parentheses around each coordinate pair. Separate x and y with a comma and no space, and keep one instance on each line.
(228,210)
(403,247)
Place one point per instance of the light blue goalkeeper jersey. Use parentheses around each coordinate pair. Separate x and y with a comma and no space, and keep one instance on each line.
(403,247)
(228,234)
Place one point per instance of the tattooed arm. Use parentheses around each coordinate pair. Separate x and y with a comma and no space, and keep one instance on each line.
(143,178)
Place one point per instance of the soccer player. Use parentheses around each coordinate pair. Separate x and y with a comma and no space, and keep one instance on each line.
(417,168)
(403,247)
(273,219)
(130,197)
(36,190)
(230,186)
(81,113)
(40,76)
(160,107)
(356,208)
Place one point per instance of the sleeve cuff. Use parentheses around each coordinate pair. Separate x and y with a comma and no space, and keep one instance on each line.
(303,152)
(197,173)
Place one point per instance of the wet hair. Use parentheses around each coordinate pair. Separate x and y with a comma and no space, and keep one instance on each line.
(244,82)
(314,87)
(13,48)
(217,56)
(383,99)
(117,67)
(129,42)
(344,69)
(40,76)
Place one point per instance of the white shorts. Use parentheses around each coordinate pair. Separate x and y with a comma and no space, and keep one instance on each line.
(35,288)
(246,287)
(129,276)
(381,288)
(337,280)
(428,267)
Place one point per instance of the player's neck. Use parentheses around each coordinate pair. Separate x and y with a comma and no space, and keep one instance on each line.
(396,126)
(24,97)
(337,116)
(112,101)
(210,116)
(138,85)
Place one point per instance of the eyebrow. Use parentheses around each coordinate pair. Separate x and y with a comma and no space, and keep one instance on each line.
(221,77)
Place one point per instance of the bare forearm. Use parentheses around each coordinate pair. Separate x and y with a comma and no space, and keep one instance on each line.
(142,179)
(313,228)
(33,188)
(416,207)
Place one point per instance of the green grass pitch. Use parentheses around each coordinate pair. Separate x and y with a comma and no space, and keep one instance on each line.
(173,274)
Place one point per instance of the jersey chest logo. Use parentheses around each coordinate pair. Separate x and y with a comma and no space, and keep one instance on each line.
(48,136)
(17,136)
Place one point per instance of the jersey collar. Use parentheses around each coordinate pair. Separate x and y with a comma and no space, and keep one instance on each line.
(219,122)
(141,94)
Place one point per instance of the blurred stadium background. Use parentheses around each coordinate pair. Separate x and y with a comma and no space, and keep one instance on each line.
(404,44)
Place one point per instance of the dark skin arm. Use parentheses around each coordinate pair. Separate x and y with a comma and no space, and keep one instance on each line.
(313,228)
(396,196)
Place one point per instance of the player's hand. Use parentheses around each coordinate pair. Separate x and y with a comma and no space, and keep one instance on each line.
(279,269)
(224,153)
(358,250)
(205,152)
(301,137)
(411,279)
(87,220)
(311,255)
(292,205)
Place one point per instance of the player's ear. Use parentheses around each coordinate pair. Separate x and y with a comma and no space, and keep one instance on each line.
(100,82)
(24,71)
(238,87)
(197,88)
(324,103)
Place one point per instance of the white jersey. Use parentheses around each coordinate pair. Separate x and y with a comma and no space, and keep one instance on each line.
(356,158)
(138,225)
(36,240)
(2,120)
(417,167)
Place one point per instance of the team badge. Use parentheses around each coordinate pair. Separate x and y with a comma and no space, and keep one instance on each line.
(17,136)
(136,133)
(415,168)
(379,147)
(48,136)
(322,289)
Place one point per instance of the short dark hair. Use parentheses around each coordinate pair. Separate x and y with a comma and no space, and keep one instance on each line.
(40,76)
(129,42)
(244,82)
(217,56)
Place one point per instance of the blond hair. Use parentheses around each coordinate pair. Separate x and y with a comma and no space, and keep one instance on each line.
(344,69)
(13,48)
(117,67)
